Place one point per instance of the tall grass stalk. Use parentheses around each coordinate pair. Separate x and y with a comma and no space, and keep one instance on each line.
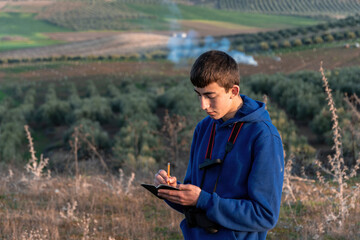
(329,207)
(75,145)
(34,166)
(338,170)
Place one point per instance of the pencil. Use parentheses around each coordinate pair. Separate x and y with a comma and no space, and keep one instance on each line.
(168,173)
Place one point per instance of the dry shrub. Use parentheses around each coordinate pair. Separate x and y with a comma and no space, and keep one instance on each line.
(101,207)
(330,206)
(35,166)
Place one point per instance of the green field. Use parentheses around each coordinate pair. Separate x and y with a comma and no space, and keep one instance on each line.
(20,30)
(183,12)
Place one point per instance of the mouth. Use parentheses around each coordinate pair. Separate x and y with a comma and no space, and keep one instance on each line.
(211,113)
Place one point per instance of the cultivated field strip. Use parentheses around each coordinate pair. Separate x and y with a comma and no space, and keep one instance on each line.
(298,7)
(109,45)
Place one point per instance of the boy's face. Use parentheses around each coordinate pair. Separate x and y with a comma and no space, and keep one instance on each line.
(216,101)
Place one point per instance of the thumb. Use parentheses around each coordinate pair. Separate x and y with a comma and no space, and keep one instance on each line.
(172,181)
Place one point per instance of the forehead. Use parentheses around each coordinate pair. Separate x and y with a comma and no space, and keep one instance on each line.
(211,88)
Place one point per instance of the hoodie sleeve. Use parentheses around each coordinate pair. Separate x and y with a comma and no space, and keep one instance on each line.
(187,179)
(260,211)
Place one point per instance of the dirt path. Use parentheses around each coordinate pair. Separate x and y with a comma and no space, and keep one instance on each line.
(33,6)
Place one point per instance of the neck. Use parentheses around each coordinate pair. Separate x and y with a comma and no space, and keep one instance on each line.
(237,104)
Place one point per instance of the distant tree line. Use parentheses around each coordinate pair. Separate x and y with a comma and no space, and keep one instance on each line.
(150,55)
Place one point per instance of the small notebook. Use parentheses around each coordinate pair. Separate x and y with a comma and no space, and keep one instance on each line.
(154,190)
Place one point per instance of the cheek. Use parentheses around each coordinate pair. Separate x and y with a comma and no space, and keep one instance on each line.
(223,102)
(214,103)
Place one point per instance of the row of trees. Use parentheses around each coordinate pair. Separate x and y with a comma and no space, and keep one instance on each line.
(122,122)
(337,30)
(13,116)
(132,124)
(297,42)
(301,95)
(286,7)
(131,121)
(151,55)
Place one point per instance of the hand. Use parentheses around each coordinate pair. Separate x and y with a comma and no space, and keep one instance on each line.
(187,196)
(162,178)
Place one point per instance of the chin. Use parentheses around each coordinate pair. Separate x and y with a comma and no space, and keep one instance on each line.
(215,117)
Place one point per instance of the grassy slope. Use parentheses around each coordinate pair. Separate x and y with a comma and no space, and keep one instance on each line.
(103,210)
(30,30)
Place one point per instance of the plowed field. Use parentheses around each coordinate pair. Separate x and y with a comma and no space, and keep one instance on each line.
(288,63)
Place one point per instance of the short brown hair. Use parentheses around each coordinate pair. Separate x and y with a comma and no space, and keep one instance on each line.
(215,66)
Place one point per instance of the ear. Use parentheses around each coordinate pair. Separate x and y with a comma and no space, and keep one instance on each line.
(235,90)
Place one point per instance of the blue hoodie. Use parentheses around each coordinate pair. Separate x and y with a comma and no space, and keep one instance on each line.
(247,199)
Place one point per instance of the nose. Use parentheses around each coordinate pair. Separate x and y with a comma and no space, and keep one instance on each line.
(204,103)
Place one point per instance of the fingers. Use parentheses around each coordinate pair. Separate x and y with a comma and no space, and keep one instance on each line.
(187,196)
(160,177)
(185,187)
(171,195)
(162,173)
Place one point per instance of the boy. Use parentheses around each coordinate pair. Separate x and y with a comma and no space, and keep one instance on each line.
(233,184)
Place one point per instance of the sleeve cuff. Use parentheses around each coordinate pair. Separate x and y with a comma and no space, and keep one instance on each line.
(203,200)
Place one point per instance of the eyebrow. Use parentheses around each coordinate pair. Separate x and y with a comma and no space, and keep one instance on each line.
(205,93)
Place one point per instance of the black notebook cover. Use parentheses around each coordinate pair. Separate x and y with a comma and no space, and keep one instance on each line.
(154,190)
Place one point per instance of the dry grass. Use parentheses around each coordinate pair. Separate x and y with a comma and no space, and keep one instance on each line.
(309,214)
(115,207)
(92,206)
(99,208)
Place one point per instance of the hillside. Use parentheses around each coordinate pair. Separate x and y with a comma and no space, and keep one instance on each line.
(154,15)
(88,28)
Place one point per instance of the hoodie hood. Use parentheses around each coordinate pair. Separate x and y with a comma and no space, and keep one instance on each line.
(251,111)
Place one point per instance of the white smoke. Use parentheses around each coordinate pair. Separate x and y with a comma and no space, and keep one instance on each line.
(185,46)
